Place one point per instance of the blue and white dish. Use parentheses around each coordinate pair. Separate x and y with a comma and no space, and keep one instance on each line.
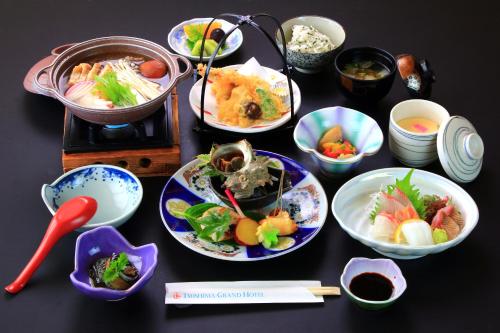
(177,39)
(361,130)
(118,193)
(384,267)
(415,149)
(353,201)
(306,202)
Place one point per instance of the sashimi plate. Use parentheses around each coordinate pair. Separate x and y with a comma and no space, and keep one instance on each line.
(211,105)
(351,207)
(306,202)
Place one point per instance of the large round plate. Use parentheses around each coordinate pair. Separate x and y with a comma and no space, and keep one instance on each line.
(351,204)
(306,202)
(177,39)
(211,108)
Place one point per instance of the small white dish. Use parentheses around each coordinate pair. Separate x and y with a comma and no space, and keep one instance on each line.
(118,193)
(351,206)
(211,106)
(177,39)
(384,267)
(415,149)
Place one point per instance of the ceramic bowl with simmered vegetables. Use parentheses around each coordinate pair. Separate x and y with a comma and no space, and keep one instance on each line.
(108,267)
(338,138)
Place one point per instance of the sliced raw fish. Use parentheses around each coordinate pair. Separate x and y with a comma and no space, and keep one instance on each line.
(384,227)
(451,227)
(406,213)
(389,204)
(401,197)
(440,215)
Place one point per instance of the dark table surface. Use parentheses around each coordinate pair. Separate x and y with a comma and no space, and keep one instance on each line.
(453,291)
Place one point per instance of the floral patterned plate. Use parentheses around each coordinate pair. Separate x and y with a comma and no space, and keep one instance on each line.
(306,202)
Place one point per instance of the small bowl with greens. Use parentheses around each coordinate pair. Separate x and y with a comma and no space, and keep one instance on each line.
(108,267)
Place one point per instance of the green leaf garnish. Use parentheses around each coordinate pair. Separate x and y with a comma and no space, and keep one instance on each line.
(115,267)
(194,212)
(114,91)
(413,194)
(214,224)
(269,237)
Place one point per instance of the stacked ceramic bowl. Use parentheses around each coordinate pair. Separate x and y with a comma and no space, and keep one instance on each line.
(412,148)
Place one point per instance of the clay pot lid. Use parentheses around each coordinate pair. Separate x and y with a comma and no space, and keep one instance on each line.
(460,149)
(417,75)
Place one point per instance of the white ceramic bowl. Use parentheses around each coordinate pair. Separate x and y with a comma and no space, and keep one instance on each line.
(385,267)
(118,193)
(351,206)
(415,149)
(313,62)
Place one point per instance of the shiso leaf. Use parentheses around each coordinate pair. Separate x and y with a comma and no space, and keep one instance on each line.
(115,267)
(405,186)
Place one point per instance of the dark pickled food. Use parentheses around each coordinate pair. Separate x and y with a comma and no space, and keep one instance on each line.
(253,110)
(217,35)
(115,272)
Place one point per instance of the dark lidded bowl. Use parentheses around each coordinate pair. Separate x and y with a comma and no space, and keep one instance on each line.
(364,90)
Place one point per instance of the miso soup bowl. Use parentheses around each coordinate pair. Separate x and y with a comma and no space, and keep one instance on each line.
(410,148)
(312,62)
(361,130)
(384,267)
(100,48)
(364,90)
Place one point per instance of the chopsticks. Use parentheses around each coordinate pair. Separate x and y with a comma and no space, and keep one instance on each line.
(324,291)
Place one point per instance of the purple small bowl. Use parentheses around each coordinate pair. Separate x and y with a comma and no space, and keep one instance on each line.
(104,241)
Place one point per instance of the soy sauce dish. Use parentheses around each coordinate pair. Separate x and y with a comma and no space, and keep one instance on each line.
(372,284)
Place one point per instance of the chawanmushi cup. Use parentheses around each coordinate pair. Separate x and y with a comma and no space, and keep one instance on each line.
(411,148)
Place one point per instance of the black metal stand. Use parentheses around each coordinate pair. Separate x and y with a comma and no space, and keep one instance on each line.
(240,20)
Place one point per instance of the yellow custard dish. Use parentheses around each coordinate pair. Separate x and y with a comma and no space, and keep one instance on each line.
(418,125)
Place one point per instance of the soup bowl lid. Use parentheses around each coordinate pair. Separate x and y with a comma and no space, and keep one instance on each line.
(460,149)
(417,75)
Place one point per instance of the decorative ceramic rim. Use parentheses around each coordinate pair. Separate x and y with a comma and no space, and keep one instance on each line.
(102,224)
(246,259)
(388,247)
(123,293)
(276,34)
(324,158)
(393,298)
(203,20)
(297,101)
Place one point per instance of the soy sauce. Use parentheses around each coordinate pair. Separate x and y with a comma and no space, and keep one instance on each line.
(371,287)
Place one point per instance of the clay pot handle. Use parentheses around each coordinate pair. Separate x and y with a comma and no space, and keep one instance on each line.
(187,72)
(41,87)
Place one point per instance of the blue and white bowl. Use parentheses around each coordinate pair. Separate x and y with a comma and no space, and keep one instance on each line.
(313,62)
(177,39)
(415,149)
(361,130)
(118,193)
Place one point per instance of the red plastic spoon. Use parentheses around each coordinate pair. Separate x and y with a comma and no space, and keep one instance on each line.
(71,215)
